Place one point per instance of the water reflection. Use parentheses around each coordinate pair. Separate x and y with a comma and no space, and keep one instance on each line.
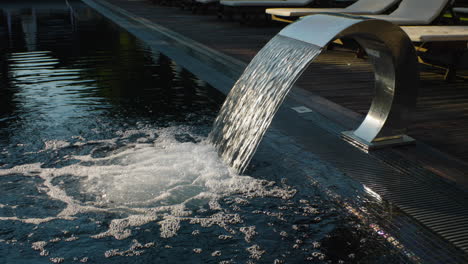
(63,63)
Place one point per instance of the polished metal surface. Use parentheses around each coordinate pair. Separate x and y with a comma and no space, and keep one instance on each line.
(395,67)
(351,137)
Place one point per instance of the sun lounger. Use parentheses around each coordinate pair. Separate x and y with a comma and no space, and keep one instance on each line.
(247,7)
(412,12)
(265,3)
(436,33)
(416,12)
(372,7)
(460,15)
(440,45)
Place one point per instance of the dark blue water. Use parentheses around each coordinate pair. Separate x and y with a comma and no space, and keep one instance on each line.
(104,159)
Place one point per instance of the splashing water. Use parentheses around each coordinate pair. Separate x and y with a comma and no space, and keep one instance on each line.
(145,191)
(156,172)
(255,98)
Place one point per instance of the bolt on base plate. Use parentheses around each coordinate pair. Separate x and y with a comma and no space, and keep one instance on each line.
(363,144)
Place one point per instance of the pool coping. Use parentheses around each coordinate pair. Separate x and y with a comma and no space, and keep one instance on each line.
(319,124)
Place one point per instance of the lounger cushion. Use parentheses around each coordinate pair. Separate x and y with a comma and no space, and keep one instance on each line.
(371,7)
(416,12)
(296,12)
(437,33)
(463,10)
(410,21)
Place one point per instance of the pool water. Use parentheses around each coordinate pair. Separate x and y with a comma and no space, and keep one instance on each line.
(104,159)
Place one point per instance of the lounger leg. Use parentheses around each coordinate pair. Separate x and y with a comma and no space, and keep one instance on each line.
(360,53)
(220,12)
(451,72)
(455,18)
(194,7)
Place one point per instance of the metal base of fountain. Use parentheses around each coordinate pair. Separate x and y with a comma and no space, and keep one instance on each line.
(350,137)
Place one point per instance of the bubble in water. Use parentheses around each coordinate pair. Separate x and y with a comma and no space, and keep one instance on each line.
(255,252)
(249,233)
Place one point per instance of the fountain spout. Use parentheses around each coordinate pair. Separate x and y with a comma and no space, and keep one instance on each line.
(395,68)
(256,97)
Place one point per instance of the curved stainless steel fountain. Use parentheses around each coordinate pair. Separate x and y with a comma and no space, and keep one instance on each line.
(395,66)
(265,83)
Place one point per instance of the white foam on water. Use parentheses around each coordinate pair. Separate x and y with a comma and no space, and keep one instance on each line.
(255,252)
(39,246)
(162,181)
(136,249)
(57,260)
(55,144)
(249,233)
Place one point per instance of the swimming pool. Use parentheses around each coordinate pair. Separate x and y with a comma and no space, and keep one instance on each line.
(104,160)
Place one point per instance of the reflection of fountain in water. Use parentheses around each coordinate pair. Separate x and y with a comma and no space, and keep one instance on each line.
(257,95)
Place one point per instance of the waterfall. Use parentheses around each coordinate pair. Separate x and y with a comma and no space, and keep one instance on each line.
(256,96)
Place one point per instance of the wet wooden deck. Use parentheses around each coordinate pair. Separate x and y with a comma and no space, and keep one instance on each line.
(441,117)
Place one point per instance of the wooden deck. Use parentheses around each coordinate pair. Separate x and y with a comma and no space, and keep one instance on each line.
(441,117)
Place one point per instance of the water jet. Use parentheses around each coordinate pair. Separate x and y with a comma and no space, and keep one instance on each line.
(257,95)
